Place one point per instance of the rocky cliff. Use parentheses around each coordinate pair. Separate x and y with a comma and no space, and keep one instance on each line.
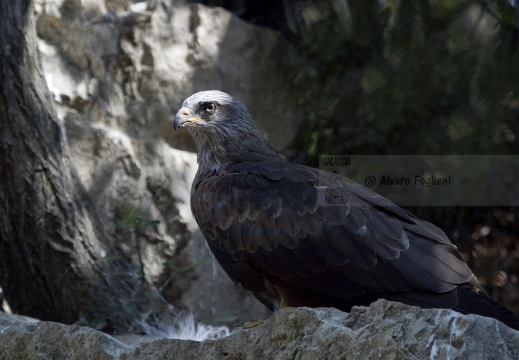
(118,72)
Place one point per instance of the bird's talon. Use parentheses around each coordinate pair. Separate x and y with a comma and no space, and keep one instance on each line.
(252,324)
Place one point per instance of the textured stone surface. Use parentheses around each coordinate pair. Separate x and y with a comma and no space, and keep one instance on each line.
(7,320)
(47,340)
(385,330)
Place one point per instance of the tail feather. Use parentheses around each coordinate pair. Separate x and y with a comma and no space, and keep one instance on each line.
(478,303)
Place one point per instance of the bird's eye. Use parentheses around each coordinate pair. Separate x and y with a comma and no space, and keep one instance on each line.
(210,107)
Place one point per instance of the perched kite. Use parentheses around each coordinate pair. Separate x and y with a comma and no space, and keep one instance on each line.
(265,224)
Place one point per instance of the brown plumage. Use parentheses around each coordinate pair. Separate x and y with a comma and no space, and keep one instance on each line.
(267,225)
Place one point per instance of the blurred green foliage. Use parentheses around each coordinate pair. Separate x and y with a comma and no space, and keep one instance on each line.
(408,77)
(418,77)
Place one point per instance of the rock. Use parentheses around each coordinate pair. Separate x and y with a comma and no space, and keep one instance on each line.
(7,320)
(384,330)
(119,71)
(48,340)
(133,70)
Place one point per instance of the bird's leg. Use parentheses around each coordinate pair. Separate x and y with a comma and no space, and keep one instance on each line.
(282,304)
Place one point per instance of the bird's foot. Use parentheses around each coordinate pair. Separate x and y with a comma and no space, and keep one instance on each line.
(252,324)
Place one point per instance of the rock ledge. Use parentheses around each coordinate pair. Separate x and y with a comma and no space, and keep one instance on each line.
(385,330)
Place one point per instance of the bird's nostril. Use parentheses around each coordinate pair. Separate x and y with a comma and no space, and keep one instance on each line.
(184,111)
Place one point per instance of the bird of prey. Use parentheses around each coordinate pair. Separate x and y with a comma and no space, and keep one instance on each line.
(265,224)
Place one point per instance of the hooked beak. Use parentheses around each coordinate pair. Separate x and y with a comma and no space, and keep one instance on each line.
(183,117)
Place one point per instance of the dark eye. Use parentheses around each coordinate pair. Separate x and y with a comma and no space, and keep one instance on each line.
(210,107)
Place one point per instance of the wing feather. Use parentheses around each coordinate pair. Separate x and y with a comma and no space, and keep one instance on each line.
(269,216)
(359,250)
(434,267)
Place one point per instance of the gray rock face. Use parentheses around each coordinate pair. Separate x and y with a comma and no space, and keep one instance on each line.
(385,330)
(7,320)
(119,71)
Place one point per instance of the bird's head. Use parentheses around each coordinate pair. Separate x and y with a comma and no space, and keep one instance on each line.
(206,111)
(222,128)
